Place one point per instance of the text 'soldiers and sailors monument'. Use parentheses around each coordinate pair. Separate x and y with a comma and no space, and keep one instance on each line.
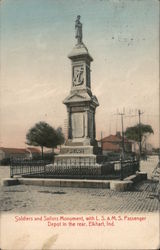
(81,105)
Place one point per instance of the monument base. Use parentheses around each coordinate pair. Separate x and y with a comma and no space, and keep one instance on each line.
(76,155)
(79,155)
(77,159)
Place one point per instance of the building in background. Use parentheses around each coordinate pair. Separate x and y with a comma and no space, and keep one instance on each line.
(113,143)
(28,153)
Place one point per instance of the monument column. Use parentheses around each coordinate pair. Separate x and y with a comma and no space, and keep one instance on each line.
(94,126)
(81,102)
(81,105)
(69,124)
(86,123)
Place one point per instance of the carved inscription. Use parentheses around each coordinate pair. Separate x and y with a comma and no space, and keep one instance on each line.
(75,151)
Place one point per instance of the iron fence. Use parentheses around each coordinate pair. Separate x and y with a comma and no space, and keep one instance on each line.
(20,166)
(88,169)
(121,169)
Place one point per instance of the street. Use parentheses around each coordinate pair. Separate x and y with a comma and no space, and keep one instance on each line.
(31,199)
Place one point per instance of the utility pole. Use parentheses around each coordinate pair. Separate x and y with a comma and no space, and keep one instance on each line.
(101,142)
(140,133)
(159,138)
(123,148)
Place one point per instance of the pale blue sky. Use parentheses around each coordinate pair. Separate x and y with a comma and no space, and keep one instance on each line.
(36,37)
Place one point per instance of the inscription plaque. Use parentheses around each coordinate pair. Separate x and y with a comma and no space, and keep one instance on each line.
(78,125)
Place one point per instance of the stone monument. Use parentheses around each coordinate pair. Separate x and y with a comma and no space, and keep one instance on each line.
(81,104)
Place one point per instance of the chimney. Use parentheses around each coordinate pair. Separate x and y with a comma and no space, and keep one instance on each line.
(118,134)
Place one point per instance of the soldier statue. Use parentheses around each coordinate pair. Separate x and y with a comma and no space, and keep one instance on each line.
(78,29)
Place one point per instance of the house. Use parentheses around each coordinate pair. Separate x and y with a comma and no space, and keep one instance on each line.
(29,153)
(113,143)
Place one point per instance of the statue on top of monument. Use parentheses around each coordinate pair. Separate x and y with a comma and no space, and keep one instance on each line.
(78,29)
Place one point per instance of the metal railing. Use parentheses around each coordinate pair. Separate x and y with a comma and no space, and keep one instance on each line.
(73,169)
(121,169)
(22,166)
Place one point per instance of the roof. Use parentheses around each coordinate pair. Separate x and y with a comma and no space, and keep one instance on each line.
(13,150)
(113,138)
(20,150)
(110,146)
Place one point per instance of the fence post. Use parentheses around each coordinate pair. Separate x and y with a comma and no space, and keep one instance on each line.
(133,166)
(11,169)
(80,166)
(121,174)
(44,164)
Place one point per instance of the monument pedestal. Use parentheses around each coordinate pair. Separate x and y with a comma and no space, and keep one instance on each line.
(77,160)
(78,155)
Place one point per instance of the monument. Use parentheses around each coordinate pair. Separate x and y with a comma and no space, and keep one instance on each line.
(81,145)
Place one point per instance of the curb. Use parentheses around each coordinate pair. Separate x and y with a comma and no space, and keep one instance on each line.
(116,185)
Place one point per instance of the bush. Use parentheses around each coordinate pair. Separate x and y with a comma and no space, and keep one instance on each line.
(5,162)
(46,156)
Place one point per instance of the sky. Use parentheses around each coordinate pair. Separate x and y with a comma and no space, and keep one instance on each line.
(36,37)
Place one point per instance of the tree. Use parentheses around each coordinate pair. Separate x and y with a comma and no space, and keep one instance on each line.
(59,136)
(43,135)
(138,131)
